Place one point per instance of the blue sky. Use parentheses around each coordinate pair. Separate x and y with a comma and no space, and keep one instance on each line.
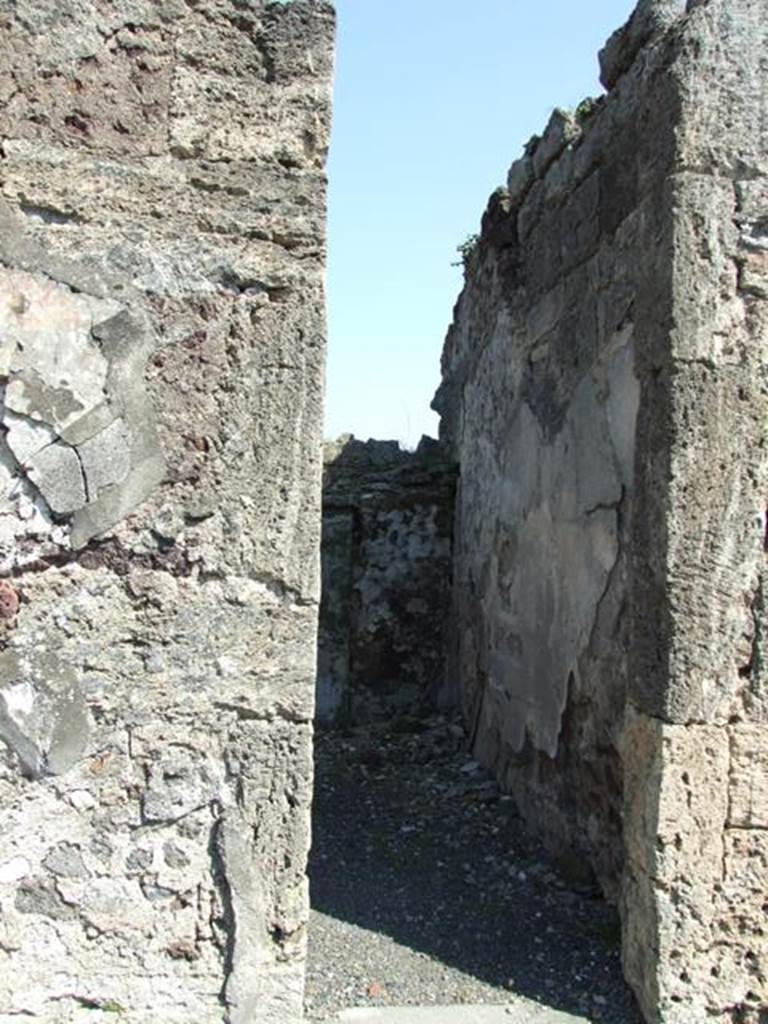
(433,101)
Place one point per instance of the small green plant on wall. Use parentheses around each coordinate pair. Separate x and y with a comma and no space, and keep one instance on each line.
(466,250)
(586,109)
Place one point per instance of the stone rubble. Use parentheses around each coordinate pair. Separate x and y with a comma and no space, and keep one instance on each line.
(427,888)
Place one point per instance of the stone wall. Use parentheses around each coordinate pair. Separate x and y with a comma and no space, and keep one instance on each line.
(604,391)
(386,556)
(161,357)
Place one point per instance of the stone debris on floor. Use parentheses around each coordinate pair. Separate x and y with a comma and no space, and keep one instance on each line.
(427,891)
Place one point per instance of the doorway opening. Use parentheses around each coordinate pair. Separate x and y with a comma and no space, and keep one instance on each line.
(427,888)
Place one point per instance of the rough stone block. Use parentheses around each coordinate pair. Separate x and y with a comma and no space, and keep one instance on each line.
(562,129)
(693,888)
(519,179)
(722,44)
(749,777)
(709,308)
(650,18)
(676,798)
(581,223)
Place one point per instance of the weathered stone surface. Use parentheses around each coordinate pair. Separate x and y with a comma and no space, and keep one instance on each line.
(650,18)
(72,406)
(161,355)
(748,791)
(386,559)
(561,130)
(520,178)
(695,884)
(604,394)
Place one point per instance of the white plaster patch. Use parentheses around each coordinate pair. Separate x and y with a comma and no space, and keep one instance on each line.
(19,700)
(57,372)
(228,667)
(14,869)
(81,800)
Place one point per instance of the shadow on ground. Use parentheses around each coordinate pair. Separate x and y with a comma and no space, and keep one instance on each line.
(425,888)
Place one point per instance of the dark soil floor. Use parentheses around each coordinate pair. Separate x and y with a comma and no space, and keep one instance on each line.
(425,888)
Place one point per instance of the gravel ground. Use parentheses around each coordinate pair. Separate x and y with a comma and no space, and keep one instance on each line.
(426,889)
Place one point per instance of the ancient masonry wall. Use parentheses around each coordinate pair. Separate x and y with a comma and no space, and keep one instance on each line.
(386,557)
(161,350)
(605,393)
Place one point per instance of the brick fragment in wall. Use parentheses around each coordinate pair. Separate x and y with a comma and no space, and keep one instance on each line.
(161,362)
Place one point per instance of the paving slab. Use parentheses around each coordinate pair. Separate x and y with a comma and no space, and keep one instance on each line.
(515,1013)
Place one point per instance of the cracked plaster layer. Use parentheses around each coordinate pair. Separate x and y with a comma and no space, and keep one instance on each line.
(604,391)
(162,212)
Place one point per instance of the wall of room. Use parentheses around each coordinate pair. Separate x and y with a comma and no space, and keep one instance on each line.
(162,225)
(386,554)
(604,395)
